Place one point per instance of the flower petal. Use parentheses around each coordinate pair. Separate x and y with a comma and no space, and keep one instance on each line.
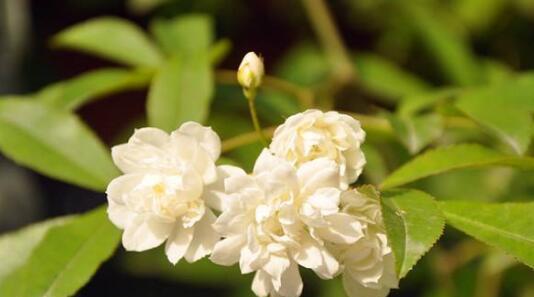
(145,149)
(261,285)
(354,289)
(188,151)
(145,232)
(204,238)
(227,251)
(119,215)
(316,174)
(215,194)
(205,136)
(313,255)
(178,243)
(291,285)
(342,229)
(275,267)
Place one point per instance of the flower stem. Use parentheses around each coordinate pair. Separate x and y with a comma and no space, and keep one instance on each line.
(251,98)
(330,39)
(244,139)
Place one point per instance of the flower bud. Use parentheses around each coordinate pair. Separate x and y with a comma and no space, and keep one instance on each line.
(250,73)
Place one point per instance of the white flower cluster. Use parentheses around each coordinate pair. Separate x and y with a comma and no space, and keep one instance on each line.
(294,209)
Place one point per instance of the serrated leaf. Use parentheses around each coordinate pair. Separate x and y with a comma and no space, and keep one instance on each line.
(413,224)
(111,38)
(65,259)
(416,132)
(181,91)
(55,143)
(75,92)
(444,159)
(507,226)
(387,79)
(184,35)
(505,109)
(16,247)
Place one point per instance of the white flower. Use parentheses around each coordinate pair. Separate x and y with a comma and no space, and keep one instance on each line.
(314,134)
(161,196)
(250,72)
(278,218)
(368,264)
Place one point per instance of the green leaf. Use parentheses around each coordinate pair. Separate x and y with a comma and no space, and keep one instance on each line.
(219,50)
(65,259)
(387,79)
(413,224)
(112,38)
(449,49)
(55,143)
(479,14)
(416,132)
(16,247)
(449,158)
(75,92)
(184,35)
(413,104)
(507,226)
(504,109)
(181,91)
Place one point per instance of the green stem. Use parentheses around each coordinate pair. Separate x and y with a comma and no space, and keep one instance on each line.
(251,98)
(330,39)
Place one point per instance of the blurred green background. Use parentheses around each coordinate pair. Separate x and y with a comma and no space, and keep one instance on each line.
(398,50)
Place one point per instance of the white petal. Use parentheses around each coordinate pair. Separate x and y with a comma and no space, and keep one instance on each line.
(178,242)
(274,175)
(267,162)
(214,194)
(291,285)
(188,151)
(145,232)
(389,277)
(330,266)
(275,267)
(205,136)
(308,255)
(261,285)
(314,255)
(354,289)
(325,199)
(118,189)
(204,238)
(238,183)
(355,163)
(119,215)
(227,251)
(319,173)
(145,149)
(342,229)
(253,255)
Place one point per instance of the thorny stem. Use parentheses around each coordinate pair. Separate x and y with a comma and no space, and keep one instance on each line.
(330,39)
(303,95)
